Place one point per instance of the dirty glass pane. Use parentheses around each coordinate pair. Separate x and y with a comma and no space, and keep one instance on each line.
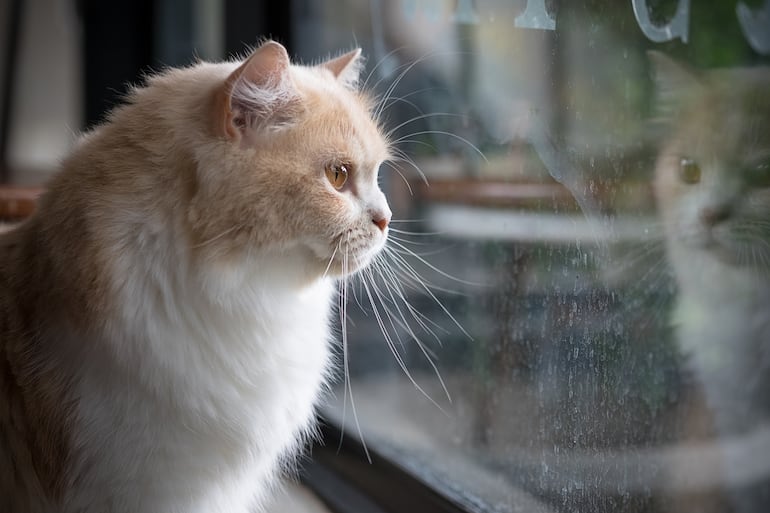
(574,311)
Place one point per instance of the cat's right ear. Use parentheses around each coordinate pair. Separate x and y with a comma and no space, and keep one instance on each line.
(259,92)
(674,82)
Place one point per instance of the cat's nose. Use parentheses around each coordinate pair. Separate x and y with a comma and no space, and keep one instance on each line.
(712,216)
(381,220)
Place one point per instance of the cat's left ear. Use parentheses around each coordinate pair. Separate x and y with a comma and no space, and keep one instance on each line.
(346,68)
(260,92)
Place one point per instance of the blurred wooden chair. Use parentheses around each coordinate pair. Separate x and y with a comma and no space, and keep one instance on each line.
(16,204)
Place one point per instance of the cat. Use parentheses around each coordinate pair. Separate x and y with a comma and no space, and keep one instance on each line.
(712,185)
(165,314)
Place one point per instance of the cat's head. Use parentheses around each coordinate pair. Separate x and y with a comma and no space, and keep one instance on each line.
(292,166)
(713,172)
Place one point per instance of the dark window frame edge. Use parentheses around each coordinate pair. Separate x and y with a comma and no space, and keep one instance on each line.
(342,476)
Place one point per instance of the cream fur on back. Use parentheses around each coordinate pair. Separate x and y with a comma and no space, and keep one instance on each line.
(166,313)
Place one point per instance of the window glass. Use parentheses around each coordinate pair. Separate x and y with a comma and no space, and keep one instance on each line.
(574,310)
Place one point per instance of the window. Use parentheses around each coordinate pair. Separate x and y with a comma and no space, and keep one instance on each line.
(543,360)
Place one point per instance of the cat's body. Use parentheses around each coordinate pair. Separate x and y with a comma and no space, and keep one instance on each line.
(165,315)
(713,190)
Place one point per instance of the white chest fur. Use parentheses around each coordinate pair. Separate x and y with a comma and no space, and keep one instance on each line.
(193,410)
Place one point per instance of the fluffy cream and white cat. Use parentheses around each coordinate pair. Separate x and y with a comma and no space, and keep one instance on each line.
(165,314)
(713,189)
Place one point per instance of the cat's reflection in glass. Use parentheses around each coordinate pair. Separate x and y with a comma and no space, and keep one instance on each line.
(712,184)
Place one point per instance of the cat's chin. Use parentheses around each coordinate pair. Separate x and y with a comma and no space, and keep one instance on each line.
(340,266)
(347,259)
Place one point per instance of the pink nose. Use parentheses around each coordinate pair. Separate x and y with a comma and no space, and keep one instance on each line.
(381,222)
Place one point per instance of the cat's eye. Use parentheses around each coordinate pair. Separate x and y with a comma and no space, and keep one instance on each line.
(689,171)
(337,174)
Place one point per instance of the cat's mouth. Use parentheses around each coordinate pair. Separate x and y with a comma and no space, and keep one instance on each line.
(707,242)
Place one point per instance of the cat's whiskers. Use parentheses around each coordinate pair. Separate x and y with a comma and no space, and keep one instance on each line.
(409,275)
(372,292)
(432,267)
(387,99)
(406,138)
(365,85)
(331,259)
(392,87)
(397,157)
(348,387)
(393,284)
(760,249)
(414,234)
(397,169)
(391,132)
(403,99)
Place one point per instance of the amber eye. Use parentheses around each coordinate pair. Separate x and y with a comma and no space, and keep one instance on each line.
(689,171)
(337,175)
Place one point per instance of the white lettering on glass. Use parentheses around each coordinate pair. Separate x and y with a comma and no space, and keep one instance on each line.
(754,24)
(535,16)
(677,26)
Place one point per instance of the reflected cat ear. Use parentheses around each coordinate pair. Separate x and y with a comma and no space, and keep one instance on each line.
(675,83)
(347,68)
(259,92)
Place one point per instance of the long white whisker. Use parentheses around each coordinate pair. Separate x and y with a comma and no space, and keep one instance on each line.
(418,118)
(394,350)
(397,169)
(433,267)
(405,325)
(411,278)
(416,234)
(400,156)
(405,240)
(331,259)
(448,134)
(379,63)
(394,283)
(433,296)
(345,355)
(392,87)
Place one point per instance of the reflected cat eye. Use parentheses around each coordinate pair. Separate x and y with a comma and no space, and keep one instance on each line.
(689,171)
(337,174)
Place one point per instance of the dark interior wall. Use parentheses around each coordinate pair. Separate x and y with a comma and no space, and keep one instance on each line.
(118,42)
(10,14)
(121,41)
(248,20)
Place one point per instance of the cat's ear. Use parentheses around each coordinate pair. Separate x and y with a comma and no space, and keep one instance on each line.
(674,82)
(258,93)
(346,68)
